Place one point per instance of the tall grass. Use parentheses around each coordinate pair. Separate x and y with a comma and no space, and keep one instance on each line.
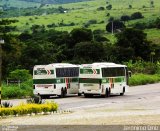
(14,91)
(142,79)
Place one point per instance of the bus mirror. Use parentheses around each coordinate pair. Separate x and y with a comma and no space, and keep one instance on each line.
(129,73)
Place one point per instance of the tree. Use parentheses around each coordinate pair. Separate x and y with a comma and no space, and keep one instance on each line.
(100,8)
(157,23)
(151,3)
(20,74)
(114,25)
(89,52)
(125,18)
(130,6)
(11,49)
(109,7)
(135,40)
(80,35)
(136,15)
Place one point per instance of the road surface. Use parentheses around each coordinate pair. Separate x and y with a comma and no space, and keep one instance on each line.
(140,106)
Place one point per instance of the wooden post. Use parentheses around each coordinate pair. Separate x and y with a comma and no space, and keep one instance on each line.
(1,42)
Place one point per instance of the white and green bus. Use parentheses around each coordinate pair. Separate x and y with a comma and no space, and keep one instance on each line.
(58,79)
(103,79)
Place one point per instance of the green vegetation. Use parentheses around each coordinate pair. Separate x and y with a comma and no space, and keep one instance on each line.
(23,109)
(22,75)
(79,13)
(82,32)
(143,79)
(143,72)
(14,91)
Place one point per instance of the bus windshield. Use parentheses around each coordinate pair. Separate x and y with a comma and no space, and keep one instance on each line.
(67,72)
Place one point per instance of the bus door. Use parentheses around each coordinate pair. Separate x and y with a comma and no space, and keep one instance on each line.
(111,83)
(116,84)
(70,86)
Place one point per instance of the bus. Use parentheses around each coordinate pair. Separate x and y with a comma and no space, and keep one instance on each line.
(103,79)
(57,79)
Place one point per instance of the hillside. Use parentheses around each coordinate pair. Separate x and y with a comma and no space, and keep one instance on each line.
(65,17)
(78,33)
(54,1)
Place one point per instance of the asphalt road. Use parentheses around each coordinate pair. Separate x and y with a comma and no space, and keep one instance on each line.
(140,106)
(136,94)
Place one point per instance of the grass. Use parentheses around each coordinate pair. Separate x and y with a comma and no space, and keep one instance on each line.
(85,11)
(153,35)
(14,91)
(142,79)
(19,3)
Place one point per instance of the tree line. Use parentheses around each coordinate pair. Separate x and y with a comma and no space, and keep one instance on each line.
(81,45)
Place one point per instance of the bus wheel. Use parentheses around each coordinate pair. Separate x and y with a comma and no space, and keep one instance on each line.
(79,94)
(86,95)
(107,94)
(62,93)
(121,94)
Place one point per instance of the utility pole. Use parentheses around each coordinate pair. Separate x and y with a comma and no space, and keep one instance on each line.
(1,42)
(112,27)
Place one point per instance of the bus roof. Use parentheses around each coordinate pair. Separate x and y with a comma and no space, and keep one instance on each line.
(61,65)
(102,65)
(40,66)
(55,65)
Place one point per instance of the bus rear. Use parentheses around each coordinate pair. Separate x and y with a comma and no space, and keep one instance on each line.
(57,79)
(90,80)
(103,79)
(44,81)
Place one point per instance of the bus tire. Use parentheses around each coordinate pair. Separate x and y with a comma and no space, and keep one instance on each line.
(65,92)
(86,95)
(79,94)
(121,94)
(62,93)
(107,94)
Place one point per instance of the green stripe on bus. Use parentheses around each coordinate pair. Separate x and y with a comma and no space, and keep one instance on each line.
(48,81)
(119,79)
(52,81)
(105,80)
(74,79)
(88,80)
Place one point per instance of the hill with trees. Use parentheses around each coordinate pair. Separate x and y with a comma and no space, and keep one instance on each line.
(82,32)
(54,1)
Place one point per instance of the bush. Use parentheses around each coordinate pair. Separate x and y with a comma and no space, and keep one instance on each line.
(143,67)
(142,79)
(116,24)
(6,104)
(29,108)
(22,75)
(14,91)
(125,18)
(100,8)
(109,7)
(136,15)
